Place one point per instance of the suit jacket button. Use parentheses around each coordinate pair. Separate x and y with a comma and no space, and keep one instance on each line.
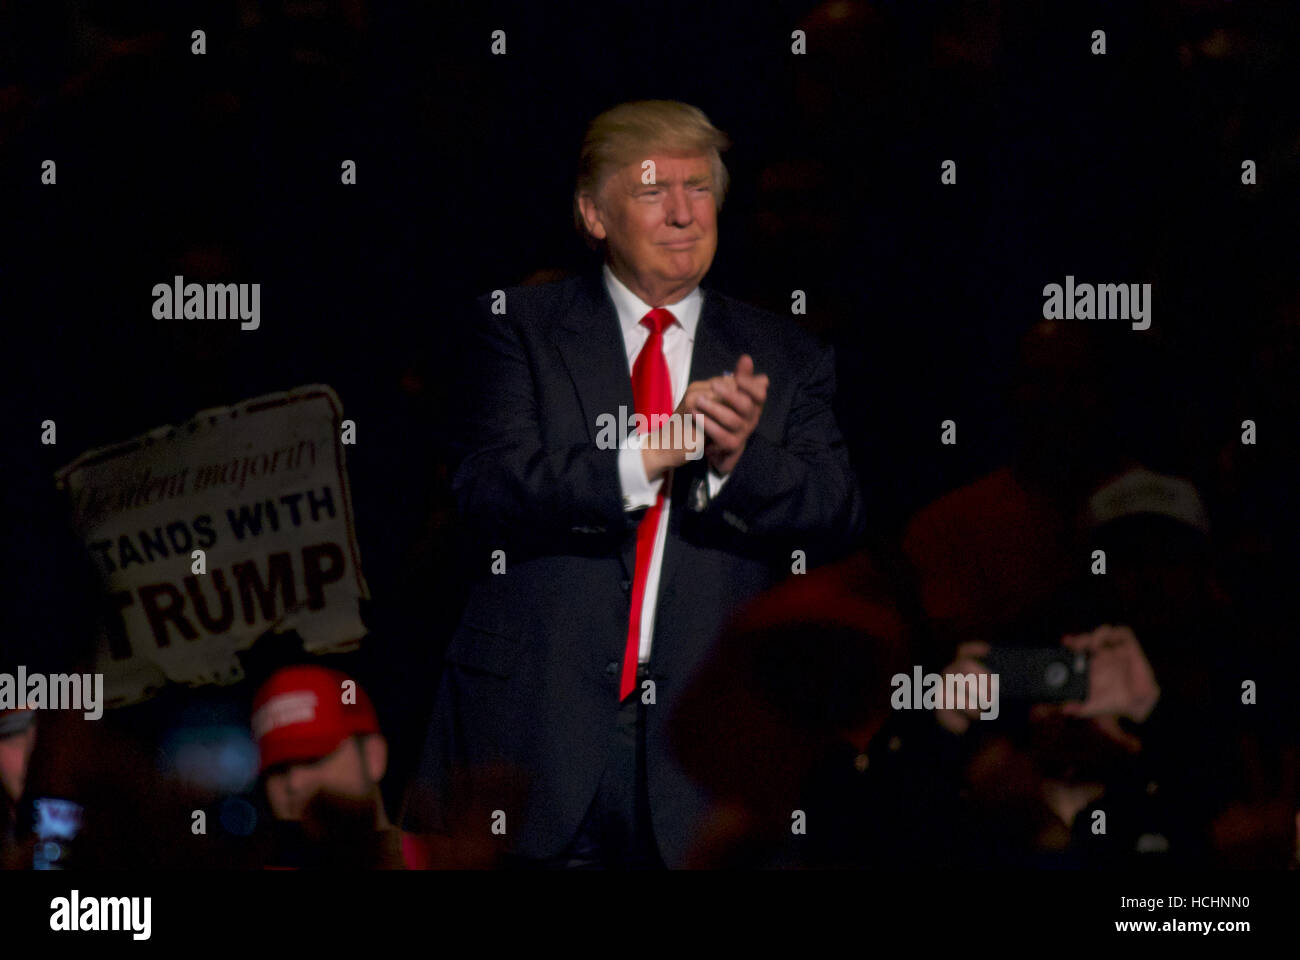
(626,585)
(735,521)
(611,668)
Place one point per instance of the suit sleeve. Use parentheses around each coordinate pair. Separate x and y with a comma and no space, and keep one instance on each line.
(802,488)
(509,483)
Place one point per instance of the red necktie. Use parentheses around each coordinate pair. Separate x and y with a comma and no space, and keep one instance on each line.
(652,391)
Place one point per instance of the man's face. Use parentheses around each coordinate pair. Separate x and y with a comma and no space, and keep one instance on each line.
(291,786)
(661,236)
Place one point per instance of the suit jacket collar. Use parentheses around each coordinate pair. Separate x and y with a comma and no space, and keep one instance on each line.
(630,308)
(591,342)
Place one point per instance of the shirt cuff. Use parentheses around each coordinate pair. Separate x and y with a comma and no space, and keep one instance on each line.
(638,492)
(716,480)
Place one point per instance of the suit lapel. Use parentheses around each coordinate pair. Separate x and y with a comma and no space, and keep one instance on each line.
(714,352)
(590,342)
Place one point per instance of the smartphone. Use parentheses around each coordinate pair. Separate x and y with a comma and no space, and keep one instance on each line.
(56,823)
(1039,674)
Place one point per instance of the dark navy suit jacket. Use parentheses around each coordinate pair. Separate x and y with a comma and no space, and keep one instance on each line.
(532,670)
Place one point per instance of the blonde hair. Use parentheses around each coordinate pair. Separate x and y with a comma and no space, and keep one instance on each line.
(626,133)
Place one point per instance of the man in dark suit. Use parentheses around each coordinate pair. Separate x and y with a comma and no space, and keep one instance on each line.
(610,563)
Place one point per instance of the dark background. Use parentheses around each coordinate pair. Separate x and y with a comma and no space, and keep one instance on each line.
(225,167)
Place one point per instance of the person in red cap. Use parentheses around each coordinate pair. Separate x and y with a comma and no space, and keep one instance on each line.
(322,758)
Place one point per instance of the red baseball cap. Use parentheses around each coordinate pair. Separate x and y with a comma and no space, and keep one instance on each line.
(299,714)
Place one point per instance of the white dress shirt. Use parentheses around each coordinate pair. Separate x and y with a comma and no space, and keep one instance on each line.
(638,492)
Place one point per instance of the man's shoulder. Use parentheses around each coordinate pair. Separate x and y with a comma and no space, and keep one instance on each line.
(779,335)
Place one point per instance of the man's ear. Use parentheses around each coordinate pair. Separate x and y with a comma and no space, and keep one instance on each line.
(591,216)
(374,753)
